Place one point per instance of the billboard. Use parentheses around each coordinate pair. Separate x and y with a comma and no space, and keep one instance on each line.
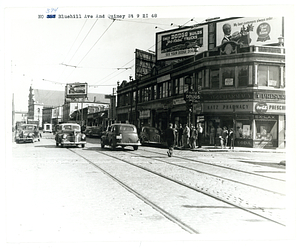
(76,90)
(144,62)
(256,31)
(181,42)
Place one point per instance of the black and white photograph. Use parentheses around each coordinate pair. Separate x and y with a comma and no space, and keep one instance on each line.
(149,126)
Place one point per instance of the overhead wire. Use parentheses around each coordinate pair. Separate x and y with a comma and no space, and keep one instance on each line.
(93,45)
(96,84)
(133,59)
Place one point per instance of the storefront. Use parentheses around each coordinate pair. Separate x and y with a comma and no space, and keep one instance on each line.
(256,124)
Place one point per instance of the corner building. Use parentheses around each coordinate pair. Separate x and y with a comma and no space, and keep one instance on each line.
(238,86)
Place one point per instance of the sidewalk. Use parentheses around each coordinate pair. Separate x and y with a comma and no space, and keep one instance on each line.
(236,149)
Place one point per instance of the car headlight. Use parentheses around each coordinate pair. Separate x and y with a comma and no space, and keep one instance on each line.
(83,136)
(64,136)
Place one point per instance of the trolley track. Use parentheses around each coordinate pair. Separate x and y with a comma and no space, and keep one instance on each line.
(219,166)
(181,183)
(213,175)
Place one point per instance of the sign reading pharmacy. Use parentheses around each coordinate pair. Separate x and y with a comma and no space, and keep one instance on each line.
(228,107)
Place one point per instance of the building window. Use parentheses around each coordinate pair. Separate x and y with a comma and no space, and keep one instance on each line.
(214,78)
(181,85)
(243,75)
(176,86)
(228,76)
(154,92)
(268,76)
(200,80)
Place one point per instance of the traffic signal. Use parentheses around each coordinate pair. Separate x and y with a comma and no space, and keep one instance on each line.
(189,106)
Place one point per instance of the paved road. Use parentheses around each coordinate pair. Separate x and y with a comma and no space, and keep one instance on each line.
(53,196)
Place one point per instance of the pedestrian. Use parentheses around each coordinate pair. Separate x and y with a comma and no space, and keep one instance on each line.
(200,134)
(180,131)
(231,138)
(176,135)
(193,137)
(224,137)
(185,136)
(219,135)
(170,138)
(212,135)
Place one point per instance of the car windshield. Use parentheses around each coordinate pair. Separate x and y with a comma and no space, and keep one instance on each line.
(29,128)
(71,127)
(125,128)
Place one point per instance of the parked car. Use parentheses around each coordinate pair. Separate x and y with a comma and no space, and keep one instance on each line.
(120,134)
(69,134)
(150,135)
(93,131)
(27,133)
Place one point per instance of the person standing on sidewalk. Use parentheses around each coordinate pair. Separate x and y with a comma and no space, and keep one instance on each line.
(224,138)
(180,131)
(193,137)
(170,138)
(212,135)
(231,136)
(186,136)
(200,134)
(219,136)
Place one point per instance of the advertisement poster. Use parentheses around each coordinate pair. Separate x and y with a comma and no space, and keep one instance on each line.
(181,42)
(250,30)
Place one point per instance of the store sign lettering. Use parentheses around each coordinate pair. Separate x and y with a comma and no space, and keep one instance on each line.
(261,108)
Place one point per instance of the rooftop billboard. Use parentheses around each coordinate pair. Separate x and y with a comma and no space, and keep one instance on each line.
(181,42)
(256,31)
(76,90)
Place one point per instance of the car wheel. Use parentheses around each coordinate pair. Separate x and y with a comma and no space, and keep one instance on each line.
(82,145)
(135,148)
(101,143)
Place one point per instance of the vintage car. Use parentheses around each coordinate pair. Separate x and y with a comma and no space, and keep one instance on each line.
(27,133)
(69,134)
(150,135)
(93,131)
(120,134)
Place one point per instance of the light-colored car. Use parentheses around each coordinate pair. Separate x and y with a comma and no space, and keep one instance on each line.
(69,134)
(120,134)
(27,133)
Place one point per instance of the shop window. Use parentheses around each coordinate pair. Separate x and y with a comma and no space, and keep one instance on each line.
(266,130)
(228,76)
(243,76)
(243,129)
(214,78)
(268,76)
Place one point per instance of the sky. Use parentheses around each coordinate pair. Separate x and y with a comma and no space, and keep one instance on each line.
(48,53)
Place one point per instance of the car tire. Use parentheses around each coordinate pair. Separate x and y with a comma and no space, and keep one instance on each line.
(82,145)
(135,148)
